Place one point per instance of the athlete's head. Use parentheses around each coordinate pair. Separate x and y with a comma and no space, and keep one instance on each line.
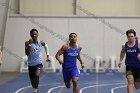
(131,35)
(73,37)
(34,34)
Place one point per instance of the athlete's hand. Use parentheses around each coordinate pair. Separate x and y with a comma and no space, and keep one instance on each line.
(82,65)
(120,64)
(138,56)
(61,62)
(30,41)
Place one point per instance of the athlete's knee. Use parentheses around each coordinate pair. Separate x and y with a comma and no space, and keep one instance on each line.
(37,76)
(75,82)
(37,73)
(130,80)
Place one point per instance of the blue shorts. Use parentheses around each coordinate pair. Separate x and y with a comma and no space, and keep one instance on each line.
(68,74)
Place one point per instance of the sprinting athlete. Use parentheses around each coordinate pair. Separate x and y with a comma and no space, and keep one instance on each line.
(71,52)
(33,49)
(132,61)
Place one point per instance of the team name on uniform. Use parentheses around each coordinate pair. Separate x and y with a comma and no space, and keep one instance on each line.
(133,50)
(73,54)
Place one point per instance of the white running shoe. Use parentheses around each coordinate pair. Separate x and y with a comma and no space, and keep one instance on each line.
(35,91)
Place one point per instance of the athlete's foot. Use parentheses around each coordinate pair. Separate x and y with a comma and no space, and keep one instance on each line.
(35,91)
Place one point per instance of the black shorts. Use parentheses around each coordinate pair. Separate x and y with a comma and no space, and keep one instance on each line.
(32,70)
(130,70)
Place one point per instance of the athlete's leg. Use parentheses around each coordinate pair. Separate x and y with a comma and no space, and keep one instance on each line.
(137,78)
(31,75)
(67,77)
(37,75)
(75,84)
(32,70)
(75,74)
(130,80)
(68,84)
(36,80)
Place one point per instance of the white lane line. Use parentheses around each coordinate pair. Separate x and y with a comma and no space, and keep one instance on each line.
(19,90)
(22,89)
(54,88)
(112,90)
(86,82)
(81,90)
(103,83)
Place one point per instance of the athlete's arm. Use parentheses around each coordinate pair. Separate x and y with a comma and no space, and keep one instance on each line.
(139,50)
(27,46)
(139,45)
(79,58)
(122,54)
(60,52)
(46,49)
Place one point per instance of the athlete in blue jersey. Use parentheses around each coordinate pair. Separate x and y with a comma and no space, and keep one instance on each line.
(132,49)
(33,49)
(71,52)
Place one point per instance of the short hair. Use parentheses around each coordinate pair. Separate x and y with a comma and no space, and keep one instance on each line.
(32,30)
(131,31)
(71,34)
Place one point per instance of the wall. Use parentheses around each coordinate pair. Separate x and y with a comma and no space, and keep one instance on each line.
(65,7)
(15,6)
(111,7)
(3,17)
(98,38)
(46,7)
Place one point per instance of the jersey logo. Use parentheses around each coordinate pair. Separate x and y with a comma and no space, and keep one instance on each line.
(131,51)
(73,54)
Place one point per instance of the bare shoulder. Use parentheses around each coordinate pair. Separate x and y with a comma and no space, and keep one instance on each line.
(26,42)
(123,46)
(139,44)
(43,43)
(64,47)
(79,47)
